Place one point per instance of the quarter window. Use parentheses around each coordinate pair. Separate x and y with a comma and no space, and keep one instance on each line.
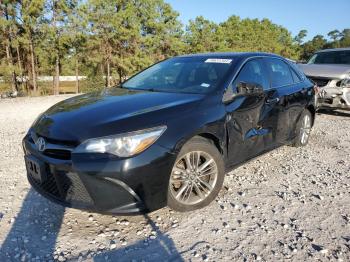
(280,72)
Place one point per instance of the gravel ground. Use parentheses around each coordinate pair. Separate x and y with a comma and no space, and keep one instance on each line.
(290,204)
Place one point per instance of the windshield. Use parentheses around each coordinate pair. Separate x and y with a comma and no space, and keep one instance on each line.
(332,57)
(181,75)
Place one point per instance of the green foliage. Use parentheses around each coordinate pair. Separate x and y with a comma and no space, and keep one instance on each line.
(239,35)
(299,38)
(108,41)
(258,35)
(204,36)
(92,83)
(317,43)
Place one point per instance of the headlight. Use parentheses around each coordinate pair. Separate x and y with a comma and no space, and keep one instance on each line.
(345,82)
(122,145)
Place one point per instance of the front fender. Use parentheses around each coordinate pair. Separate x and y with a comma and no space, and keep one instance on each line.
(207,121)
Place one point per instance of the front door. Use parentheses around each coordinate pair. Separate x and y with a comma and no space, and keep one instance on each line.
(251,120)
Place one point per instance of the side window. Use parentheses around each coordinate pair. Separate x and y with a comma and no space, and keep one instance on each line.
(296,77)
(298,71)
(279,71)
(254,71)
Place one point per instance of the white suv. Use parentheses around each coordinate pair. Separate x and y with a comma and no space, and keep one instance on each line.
(330,70)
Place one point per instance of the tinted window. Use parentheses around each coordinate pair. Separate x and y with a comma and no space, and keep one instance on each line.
(183,75)
(297,70)
(254,71)
(280,72)
(296,77)
(332,57)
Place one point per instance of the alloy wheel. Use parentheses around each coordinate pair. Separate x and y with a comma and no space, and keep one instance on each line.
(305,129)
(193,177)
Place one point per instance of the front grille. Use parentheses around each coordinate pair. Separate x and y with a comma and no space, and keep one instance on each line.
(328,101)
(74,190)
(49,185)
(67,143)
(321,82)
(58,153)
(65,187)
(54,148)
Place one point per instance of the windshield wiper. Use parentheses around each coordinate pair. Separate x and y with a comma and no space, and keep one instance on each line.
(141,89)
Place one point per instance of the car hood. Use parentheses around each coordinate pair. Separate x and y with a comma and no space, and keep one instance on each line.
(326,70)
(111,112)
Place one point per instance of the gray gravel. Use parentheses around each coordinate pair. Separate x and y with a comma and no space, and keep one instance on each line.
(290,204)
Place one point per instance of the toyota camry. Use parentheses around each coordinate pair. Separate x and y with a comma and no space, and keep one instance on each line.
(168,135)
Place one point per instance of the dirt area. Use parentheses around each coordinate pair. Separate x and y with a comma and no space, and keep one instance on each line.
(290,204)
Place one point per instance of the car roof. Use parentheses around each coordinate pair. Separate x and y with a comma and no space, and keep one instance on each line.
(334,49)
(231,54)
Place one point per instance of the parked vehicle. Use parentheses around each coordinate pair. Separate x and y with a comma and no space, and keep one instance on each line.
(330,70)
(168,135)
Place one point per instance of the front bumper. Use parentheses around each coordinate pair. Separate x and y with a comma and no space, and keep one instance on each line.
(335,98)
(104,183)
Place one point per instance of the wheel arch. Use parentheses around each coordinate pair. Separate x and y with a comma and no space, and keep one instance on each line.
(213,138)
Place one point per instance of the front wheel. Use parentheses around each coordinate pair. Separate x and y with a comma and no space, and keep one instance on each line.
(197,176)
(303,129)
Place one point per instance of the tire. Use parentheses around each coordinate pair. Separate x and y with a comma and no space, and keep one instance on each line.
(180,178)
(303,129)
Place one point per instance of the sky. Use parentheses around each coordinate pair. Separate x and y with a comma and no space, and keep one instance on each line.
(316,16)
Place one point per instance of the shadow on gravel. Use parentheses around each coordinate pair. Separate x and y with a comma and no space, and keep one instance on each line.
(161,248)
(34,231)
(36,227)
(334,112)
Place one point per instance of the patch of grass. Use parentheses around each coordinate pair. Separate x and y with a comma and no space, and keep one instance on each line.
(66,87)
(46,88)
(4,87)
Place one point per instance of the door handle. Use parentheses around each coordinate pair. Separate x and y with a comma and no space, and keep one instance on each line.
(272,100)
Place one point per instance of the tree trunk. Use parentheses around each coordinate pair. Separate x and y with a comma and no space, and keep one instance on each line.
(32,61)
(10,64)
(108,74)
(57,60)
(77,76)
(56,89)
(9,53)
(19,61)
(120,76)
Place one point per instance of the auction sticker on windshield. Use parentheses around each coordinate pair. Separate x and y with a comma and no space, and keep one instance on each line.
(218,60)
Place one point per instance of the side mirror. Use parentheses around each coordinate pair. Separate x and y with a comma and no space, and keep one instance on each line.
(243,89)
(248,89)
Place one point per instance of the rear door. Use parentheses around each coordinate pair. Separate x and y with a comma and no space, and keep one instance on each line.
(289,89)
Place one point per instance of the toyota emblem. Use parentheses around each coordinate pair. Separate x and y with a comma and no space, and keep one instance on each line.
(40,144)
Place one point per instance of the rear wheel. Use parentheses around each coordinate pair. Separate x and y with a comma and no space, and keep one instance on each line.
(303,129)
(197,176)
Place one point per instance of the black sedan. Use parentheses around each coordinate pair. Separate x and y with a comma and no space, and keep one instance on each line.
(168,135)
